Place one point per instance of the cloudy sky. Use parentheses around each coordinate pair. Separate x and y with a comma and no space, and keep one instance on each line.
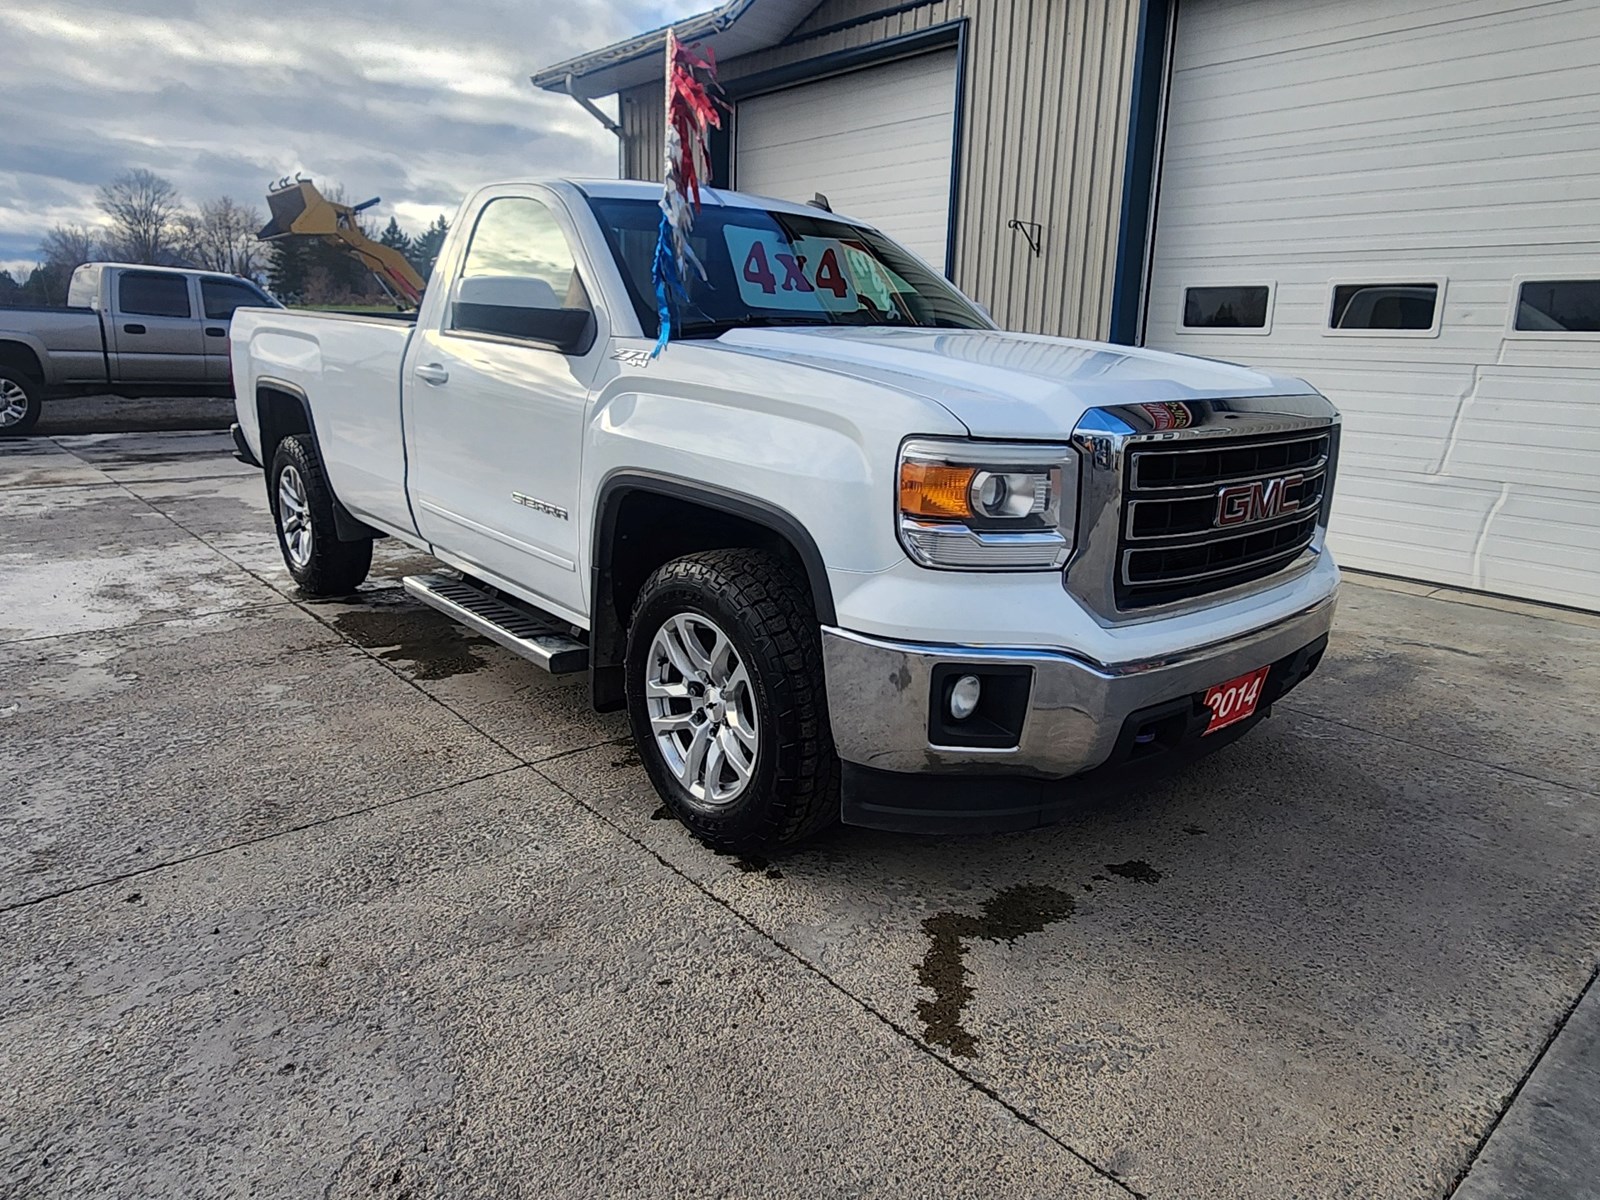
(411,100)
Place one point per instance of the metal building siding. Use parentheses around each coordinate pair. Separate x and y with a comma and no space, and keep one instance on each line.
(644,131)
(1044,133)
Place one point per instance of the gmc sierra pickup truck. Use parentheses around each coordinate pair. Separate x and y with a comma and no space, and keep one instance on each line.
(128,331)
(844,549)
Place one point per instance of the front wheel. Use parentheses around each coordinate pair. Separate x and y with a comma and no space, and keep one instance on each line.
(20,402)
(302,509)
(727,701)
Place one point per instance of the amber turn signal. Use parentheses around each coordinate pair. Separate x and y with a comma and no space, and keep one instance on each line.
(936,490)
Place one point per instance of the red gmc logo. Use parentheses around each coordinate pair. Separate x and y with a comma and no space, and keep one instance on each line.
(1246,503)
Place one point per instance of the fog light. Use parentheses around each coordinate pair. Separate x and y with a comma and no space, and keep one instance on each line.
(964,697)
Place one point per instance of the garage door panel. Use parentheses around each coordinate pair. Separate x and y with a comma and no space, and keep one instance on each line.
(1408,140)
(1519,549)
(1328,126)
(1466,55)
(877,142)
(1224,33)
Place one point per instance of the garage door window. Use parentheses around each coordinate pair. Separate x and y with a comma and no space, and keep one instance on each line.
(1240,309)
(1557,306)
(1406,309)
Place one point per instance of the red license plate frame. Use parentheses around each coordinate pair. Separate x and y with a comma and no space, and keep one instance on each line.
(1236,699)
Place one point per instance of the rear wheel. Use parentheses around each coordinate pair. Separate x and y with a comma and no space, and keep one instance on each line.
(727,701)
(302,509)
(20,402)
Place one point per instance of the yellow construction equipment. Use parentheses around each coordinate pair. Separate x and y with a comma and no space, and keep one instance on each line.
(299,210)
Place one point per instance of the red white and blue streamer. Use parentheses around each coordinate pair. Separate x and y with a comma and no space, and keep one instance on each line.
(691,115)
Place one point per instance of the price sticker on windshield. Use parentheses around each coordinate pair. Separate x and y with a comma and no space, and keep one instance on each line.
(806,274)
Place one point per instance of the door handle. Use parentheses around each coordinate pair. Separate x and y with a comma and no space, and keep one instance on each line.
(433,373)
(215,331)
(133,329)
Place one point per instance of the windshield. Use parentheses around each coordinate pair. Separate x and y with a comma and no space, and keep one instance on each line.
(777,268)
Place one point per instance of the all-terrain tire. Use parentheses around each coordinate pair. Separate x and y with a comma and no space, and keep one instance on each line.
(321,564)
(18,389)
(764,607)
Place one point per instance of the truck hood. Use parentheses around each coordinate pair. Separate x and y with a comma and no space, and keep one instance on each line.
(1012,385)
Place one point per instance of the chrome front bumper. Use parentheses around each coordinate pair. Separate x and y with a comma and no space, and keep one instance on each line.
(879,696)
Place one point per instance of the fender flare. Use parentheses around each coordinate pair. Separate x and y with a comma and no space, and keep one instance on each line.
(349,527)
(32,345)
(608,635)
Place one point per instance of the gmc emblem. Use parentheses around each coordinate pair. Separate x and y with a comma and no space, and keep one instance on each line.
(1247,503)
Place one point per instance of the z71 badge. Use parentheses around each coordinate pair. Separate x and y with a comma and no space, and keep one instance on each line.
(633,358)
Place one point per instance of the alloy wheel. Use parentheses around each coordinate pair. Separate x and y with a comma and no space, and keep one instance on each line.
(294,516)
(702,709)
(13,403)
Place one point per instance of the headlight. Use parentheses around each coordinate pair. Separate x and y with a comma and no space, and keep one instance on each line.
(988,505)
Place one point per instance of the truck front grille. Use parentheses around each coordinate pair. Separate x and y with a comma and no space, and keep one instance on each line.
(1201,518)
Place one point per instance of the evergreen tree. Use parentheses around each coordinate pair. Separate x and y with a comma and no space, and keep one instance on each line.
(10,291)
(425,249)
(289,269)
(395,238)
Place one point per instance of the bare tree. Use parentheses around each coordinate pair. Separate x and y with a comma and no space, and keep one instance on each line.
(144,210)
(222,237)
(62,251)
(67,247)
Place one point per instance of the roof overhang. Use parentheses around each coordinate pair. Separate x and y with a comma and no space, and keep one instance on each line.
(736,27)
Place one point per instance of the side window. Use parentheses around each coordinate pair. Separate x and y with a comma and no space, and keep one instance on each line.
(222,296)
(1411,308)
(1558,306)
(1244,307)
(152,295)
(520,279)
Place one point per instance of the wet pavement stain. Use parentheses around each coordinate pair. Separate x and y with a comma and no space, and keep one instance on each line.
(432,646)
(751,864)
(1007,915)
(1137,870)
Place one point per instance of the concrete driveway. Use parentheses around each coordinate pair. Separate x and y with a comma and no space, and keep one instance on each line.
(304,899)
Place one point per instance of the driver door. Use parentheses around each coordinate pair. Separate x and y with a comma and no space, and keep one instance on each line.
(496,401)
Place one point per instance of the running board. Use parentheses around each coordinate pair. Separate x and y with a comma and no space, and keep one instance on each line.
(541,642)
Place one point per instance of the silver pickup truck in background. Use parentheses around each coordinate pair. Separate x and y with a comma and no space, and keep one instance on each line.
(127,330)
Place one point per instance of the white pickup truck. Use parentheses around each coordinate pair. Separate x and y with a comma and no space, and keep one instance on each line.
(844,549)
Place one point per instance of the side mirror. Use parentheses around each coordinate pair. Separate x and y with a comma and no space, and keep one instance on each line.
(569,330)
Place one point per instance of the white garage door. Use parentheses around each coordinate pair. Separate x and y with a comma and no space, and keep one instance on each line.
(1355,191)
(877,142)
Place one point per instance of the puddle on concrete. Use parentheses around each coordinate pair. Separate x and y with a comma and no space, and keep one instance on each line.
(1007,915)
(1137,870)
(431,647)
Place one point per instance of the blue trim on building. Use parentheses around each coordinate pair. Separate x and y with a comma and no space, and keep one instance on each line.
(955,151)
(1139,170)
(808,70)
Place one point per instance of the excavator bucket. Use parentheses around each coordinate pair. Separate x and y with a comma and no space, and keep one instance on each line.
(299,210)
(286,204)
